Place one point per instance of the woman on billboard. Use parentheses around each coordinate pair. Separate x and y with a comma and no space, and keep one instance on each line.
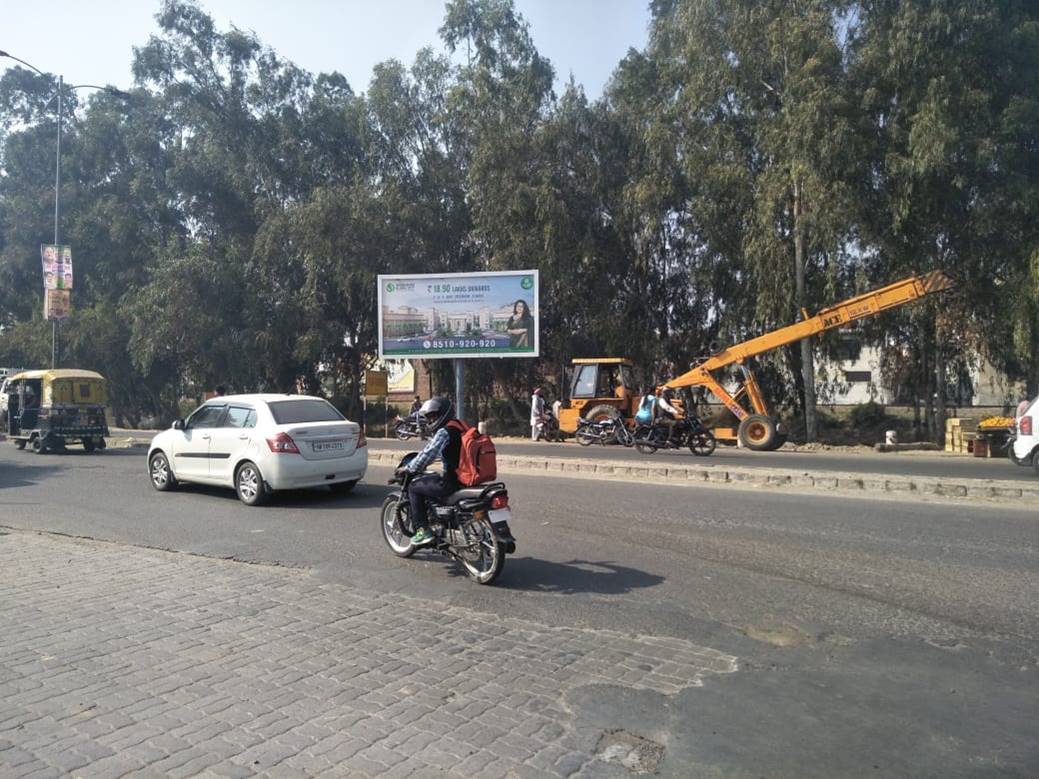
(521,326)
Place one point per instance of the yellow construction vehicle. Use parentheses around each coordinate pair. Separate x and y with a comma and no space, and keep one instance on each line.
(599,387)
(604,386)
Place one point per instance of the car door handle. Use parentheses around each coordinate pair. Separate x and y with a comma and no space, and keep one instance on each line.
(205,437)
(243,438)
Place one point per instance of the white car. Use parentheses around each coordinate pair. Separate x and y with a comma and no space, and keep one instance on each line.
(260,443)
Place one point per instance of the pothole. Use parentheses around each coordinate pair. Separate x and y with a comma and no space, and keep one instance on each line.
(637,754)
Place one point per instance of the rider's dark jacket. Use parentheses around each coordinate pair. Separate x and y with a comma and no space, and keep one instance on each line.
(446,444)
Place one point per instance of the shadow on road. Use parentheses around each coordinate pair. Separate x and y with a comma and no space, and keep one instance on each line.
(604,577)
(15,474)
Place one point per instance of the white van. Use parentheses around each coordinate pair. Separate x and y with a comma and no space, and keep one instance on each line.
(1026,440)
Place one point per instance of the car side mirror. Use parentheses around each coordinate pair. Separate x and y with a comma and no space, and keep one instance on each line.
(178,425)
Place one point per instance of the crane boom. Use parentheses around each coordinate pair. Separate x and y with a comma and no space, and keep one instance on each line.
(859,307)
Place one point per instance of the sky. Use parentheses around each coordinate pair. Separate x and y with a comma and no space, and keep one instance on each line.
(90,41)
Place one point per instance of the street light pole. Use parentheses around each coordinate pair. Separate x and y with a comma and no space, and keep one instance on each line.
(57,200)
(57,168)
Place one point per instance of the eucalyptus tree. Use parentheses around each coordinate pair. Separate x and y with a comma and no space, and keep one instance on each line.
(953,174)
(757,98)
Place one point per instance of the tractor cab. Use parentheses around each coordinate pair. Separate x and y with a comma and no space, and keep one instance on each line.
(599,387)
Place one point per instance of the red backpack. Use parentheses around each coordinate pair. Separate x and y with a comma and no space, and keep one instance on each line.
(477,461)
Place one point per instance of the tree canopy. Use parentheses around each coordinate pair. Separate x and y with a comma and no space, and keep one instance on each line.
(754,160)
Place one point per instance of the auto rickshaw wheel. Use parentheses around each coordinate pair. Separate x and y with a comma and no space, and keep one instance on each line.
(88,445)
(19,444)
(36,444)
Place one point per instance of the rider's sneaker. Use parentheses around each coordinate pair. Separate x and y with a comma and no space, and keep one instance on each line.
(422,537)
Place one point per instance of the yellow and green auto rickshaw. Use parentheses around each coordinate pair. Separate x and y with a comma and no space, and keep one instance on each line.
(45,410)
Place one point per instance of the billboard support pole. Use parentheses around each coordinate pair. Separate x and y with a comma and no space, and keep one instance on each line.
(459,388)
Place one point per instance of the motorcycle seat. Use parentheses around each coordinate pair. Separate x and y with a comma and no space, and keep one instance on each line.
(466,493)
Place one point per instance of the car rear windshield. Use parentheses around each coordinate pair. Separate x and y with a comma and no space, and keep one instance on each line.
(294,412)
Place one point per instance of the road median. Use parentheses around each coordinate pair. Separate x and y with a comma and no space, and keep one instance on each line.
(959,489)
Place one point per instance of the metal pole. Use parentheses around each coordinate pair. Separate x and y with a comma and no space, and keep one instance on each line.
(57,200)
(460,388)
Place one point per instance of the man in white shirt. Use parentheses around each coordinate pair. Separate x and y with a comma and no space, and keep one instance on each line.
(537,415)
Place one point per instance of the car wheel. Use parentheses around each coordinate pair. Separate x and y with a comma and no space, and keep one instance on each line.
(160,472)
(249,485)
(342,487)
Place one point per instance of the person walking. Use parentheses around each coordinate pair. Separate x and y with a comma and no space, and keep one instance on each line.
(537,415)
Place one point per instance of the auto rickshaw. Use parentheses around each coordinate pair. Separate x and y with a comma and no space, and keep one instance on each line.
(48,409)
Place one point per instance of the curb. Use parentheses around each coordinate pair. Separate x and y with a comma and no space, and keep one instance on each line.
(717,476)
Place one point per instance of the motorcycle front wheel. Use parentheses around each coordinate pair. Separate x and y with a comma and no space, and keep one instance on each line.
(394,534)
(401,433)
(702,444)
(484,559)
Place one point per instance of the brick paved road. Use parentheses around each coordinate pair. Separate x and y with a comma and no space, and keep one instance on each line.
(117,659)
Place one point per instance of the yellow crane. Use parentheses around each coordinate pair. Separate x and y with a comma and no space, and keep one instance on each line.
(757,429)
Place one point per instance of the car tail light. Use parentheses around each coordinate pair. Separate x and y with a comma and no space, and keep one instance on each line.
(361,439)
(1024,426)
(500,501)
(282,444)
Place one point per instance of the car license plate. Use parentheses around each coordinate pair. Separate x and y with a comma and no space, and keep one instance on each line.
(328,446)
(500,515)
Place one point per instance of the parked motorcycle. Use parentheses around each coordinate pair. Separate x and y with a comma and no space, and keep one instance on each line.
(470,525)
(550,429)
(688,432)
(411,426)
(603,431)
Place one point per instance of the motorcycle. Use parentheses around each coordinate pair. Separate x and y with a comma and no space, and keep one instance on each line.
(550,429)
(603,431)
(688,432)
(411,426)
(470,525)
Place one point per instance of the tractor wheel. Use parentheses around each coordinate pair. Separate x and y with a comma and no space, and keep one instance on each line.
(758,433)
(601,412)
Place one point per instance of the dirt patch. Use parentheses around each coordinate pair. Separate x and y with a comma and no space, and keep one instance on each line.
(637,754)
(781,636)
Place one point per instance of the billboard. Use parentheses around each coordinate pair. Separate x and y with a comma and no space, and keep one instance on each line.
(57,266)
(57,303)
(459,315)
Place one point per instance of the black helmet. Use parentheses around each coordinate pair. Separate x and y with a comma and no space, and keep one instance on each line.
(668,394)
(436,411)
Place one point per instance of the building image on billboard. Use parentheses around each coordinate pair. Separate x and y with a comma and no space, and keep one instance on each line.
(459,315)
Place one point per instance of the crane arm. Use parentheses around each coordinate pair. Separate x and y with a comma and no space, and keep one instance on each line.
(860,307)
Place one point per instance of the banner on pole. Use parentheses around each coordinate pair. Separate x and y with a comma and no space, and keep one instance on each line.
(57,266)
(57,303)
(459,315)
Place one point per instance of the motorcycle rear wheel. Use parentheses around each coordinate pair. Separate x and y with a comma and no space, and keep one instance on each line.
(485,563)
(395,536)
(585,438)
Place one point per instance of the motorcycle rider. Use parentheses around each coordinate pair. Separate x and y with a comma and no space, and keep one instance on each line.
(446,444)
(667,414)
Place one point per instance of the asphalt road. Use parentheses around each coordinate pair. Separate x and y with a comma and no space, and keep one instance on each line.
(874,637)
(892,464)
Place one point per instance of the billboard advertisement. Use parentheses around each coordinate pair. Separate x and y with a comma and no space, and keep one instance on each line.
(57,266)
(459,315)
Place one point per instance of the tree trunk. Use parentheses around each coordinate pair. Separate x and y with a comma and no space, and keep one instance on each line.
(807,362)
(939,388)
